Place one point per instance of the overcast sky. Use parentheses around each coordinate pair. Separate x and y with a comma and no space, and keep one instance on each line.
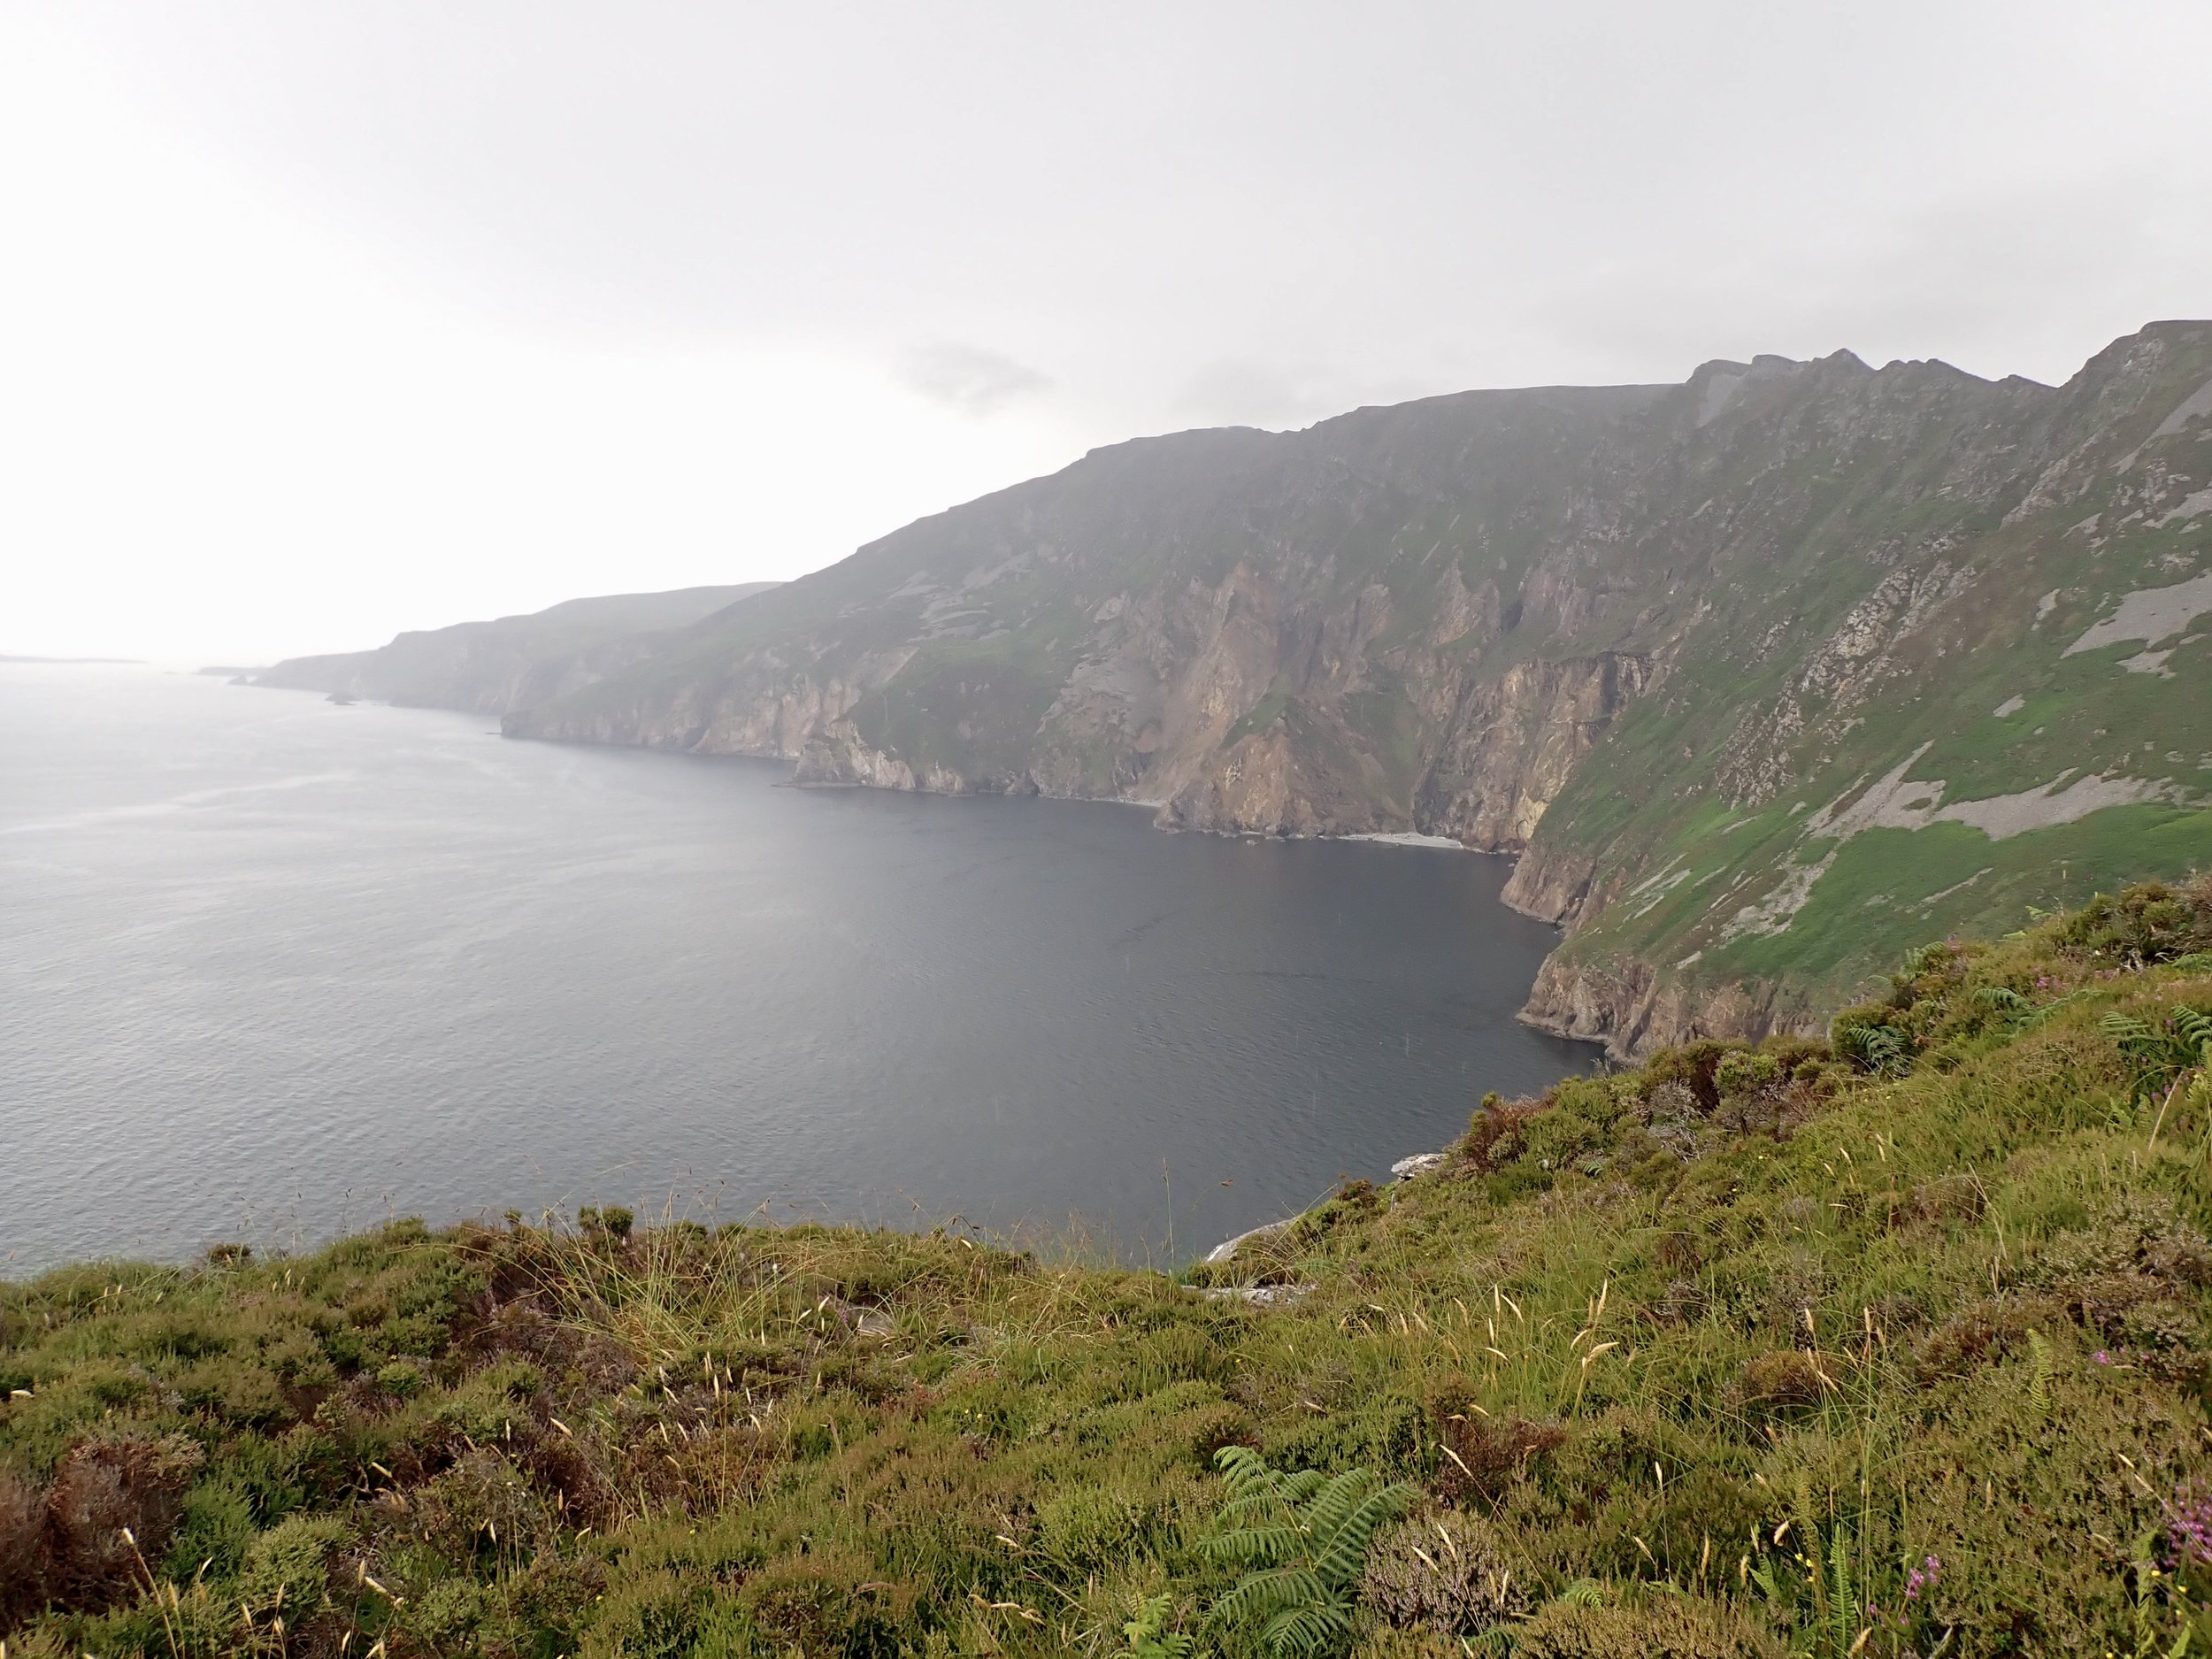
(319,321)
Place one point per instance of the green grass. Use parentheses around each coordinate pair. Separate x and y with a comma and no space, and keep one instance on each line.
(1262,714)
(1707,1357)
(1886,883)
(971,707)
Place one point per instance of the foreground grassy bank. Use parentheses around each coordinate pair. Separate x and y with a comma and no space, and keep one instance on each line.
(1895,1347)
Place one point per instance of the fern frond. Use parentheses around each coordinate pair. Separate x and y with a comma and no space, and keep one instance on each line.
(1302,1537)
(1244,1469)
(1241,1516)
(2195,1027)
(1875,1048)
(1251,1546)
(1919,960)
(1334,1503)
(1843,1607)
(2125,1029)
(1769,1586)
(1260,1596)
(1302,1631)
(1345,1553)
(1149,1635)
(2160,1054)
(2037,1016)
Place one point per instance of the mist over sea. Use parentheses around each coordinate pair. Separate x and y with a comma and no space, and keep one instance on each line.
(271,968)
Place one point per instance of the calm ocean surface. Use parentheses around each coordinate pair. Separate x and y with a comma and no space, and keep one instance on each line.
(272,969)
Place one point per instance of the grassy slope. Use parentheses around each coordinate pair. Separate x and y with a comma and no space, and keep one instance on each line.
(1637,809)
(1705,1358)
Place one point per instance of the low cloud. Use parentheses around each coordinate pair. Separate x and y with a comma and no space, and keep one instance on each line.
(971,378)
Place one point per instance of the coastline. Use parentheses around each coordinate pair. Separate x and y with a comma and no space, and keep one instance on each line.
(1413,1164)
(1406,838)
(1272,926)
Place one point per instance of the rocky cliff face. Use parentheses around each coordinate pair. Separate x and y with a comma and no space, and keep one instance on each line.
(1552,884)
(1516,740)
(1762,675)
(1626,1003)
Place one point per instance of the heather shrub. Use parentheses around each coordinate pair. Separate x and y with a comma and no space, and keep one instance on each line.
(1443,1572)
(1784,1377)
(287,1568)
(2149,922)
(1661,1627)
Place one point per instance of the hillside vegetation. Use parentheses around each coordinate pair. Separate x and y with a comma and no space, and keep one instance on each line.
(1892,1346)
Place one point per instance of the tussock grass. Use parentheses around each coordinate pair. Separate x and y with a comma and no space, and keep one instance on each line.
(1877,1348)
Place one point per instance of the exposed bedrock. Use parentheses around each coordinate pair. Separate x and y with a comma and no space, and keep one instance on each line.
(1624,1004)
(1551,884)
(1514,742)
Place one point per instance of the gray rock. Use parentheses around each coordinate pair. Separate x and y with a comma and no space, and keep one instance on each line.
(1420,1164)
(1257,1295)
(1228,1247)
(859,1321)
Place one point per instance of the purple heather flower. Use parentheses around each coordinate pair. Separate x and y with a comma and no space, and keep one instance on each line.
(2189,1525)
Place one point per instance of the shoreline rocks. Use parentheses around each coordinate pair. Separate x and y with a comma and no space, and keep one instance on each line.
(1228,1247)
(1405,1168)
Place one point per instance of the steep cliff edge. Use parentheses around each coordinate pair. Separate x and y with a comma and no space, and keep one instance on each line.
(1626,1003)
(1764,675)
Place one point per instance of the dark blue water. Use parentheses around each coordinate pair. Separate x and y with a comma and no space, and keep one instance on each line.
(273,968)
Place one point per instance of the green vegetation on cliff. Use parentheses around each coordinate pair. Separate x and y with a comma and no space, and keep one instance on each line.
(1896,1347)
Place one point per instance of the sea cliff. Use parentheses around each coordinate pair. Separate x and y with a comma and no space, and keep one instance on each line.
(1759,676)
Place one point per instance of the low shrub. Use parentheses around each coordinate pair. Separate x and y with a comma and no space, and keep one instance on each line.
(2149,922)
(1660,1627)
(1784,1377)
(1443,1572)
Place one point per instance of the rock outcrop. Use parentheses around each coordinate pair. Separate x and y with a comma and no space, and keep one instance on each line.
(1516,739)
(1624,1004)
(1550,883)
